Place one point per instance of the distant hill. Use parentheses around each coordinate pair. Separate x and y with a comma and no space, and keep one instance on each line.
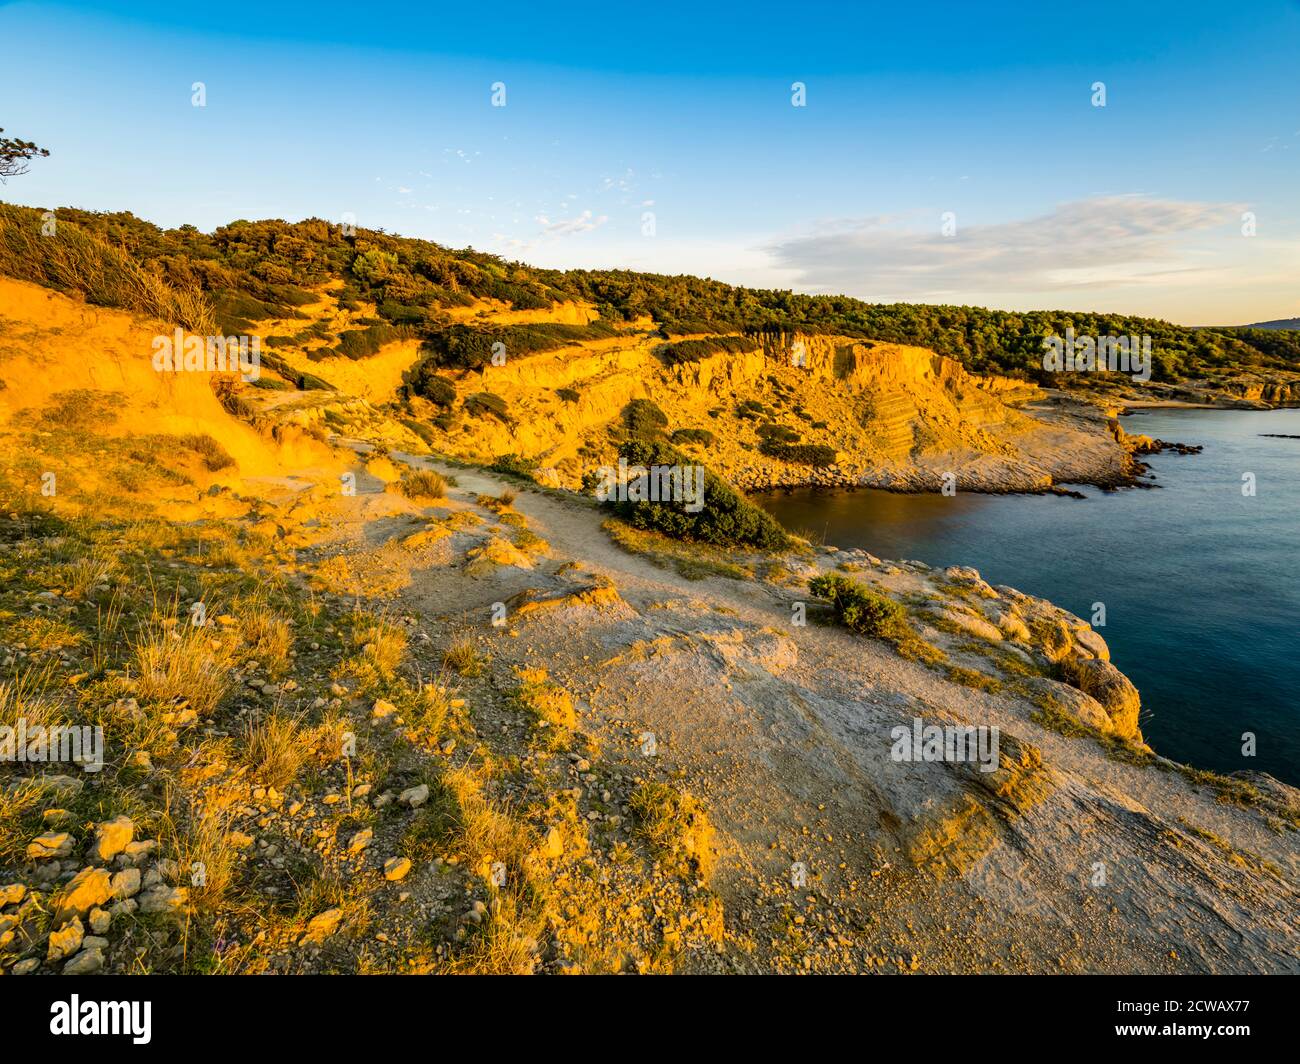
(1280,323)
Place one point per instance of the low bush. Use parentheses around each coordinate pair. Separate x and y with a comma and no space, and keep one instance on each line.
(514,465)
(703,436)
(752,410)
(215,457)
(812,454)
(427,383)
(362,343)
(467,347)
(487,404)
(777,433)
(694,350)
(859,608)
(643,418)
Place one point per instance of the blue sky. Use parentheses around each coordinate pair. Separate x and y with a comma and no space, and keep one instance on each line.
(915,113)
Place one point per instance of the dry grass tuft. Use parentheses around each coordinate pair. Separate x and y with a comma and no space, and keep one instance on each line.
(268,638)
(422,484)
(276,748)
(462,657)
(182,663)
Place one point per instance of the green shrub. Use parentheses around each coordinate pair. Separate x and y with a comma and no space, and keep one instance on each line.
(568,395)
(467,347)
(486,404)
(777,433)
(703,436)
(374,264)
(423,431)
(752,410)
(426,382)
(514,465)
(694,350)
(236,311)
(644,418)
(860,609)
(362,343)
(726,517)
(812,454)
(401,313)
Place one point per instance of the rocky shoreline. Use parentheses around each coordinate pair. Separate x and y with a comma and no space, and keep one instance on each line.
(1002,478)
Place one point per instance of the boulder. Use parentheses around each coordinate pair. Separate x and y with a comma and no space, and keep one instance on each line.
(126,883)
(88,889)
(1080,707)
(112,837)
(86,962)
(66,941)
(49,845)
(414,796)
(163,899)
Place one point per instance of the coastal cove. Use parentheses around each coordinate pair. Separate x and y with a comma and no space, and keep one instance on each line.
(1200,583)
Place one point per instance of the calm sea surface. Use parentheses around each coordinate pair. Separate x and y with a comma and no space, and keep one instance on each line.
(1201,583)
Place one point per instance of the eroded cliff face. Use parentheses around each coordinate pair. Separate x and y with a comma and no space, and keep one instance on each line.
(62,361)
(896,416)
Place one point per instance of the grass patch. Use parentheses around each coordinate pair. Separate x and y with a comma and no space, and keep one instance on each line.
(422,484)
(674,825)
(463,658)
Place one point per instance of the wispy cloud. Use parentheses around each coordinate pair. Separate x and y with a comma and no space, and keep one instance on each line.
(1097,242)
(582,223)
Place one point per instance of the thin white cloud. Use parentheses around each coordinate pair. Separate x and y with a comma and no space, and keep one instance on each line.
(582,223)
(1098,242)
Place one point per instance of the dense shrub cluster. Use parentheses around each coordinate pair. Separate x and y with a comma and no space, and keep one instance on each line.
(775,433)
(486,404)
(812,454)
(515,465)
(362,343)
(643,418)
(727,518)
(467,347)
(694,350)
(752,409)
(703,436)
(426,382)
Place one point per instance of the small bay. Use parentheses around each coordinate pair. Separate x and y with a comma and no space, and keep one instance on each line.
(1200,582)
